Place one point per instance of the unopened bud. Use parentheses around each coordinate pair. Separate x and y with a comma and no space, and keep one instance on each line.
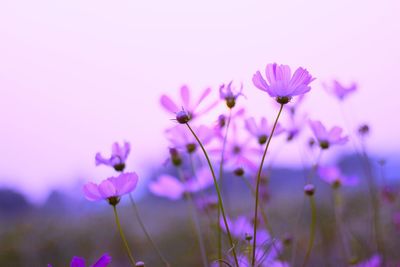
(239,171)
(309,189)
(324,144)
(183,117)
(175,157)
(119,167)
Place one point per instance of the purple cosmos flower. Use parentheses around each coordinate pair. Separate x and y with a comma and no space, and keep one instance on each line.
(119,154)
(187,104)
(172,188)
(327,138)
(281,84)
(112,188)
(333,176)
(80,262)
(226,93)
(261,131)
(181,138)
(340,91)
(223,120)
(374,261)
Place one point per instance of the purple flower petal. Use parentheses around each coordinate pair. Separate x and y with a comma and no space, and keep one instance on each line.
(107,189)
(77,262)
(91,192)
(168,104)
(167,186)
(103,261)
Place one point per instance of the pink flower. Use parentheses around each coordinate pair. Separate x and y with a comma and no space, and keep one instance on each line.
(112,188)
(172,188)
(261,131)
(80,262)
(186,103)
(327,138)
(333,176)
(226,93)
(281,84)
(119,154)
(340,91)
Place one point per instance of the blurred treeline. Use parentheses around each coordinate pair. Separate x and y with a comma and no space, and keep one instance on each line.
(64,226)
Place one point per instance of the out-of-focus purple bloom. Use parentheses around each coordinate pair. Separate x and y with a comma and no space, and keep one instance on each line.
(281,84)
(261,131)
(327,138)
(119,154)
(238,154)
(227,93)
(333,176)
(388,194)
(112,188)
(181,138)
(172,188)
(374,261)
(222,122)
(396,220)
(80,262)
(339,90)
(187,103)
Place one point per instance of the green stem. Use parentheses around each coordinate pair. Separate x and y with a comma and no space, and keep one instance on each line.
(337,208)
(221,166)
(196,222)
(146,233)
(253,260)
(221,205)
(121,233)
(312,230)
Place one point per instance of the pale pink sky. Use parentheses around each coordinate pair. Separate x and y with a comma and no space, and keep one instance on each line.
(76,75)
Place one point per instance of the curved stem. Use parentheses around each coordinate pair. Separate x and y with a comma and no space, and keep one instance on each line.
(221,205)
(312,230)
(196,223)
(221,166)
(253,260)
(146,233)
(121,233)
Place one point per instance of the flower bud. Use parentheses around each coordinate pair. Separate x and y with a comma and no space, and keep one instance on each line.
(248,237)
(119,167)
(309,189)
(183,117)
(324,144)
(239,171)
(175,157)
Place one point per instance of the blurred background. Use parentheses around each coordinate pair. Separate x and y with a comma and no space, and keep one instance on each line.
(75,76)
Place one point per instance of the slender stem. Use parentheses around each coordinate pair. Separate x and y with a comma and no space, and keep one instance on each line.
(221,170)
(296,226)
(253,260)
(146,233)
(221,205)
(121,233)
(337,208)
(372,187)
(312,230)
(196,222)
